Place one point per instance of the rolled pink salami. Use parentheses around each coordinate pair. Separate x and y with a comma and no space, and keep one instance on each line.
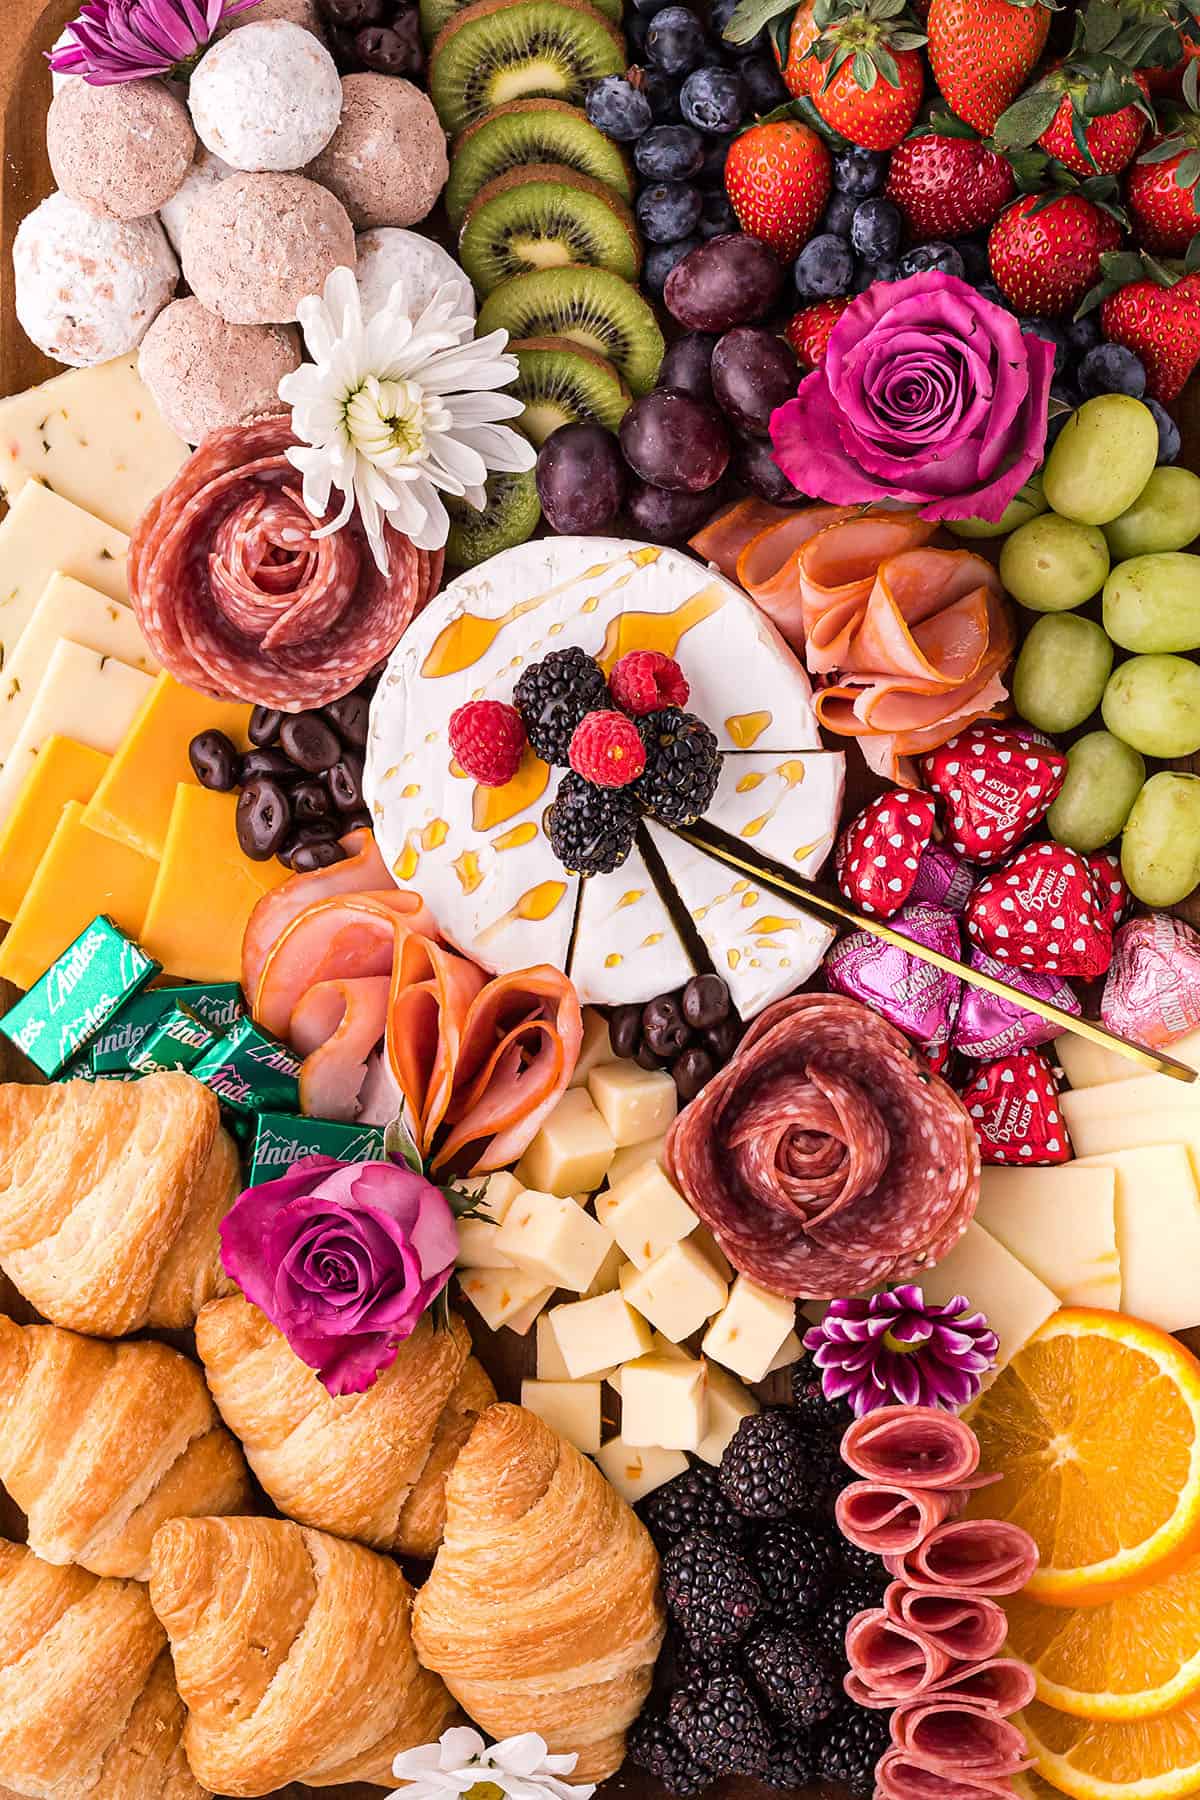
(892,1520)
(964,1626)
(899,1776)
(968,1556)
(912,1447)
(970,1738)
(889,1663)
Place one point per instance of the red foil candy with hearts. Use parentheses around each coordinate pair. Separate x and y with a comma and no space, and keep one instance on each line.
(1041,911)
(996,783)
(1152,993)
(1013,1104)
(878,855)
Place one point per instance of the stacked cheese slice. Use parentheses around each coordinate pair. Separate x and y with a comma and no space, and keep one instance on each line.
(99,809)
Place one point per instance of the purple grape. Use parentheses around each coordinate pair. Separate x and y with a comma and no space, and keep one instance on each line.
(730,280)
(580,479)
(667,518)
(753,372)
(675,441)
(687,366)
(668,211)
(755,466)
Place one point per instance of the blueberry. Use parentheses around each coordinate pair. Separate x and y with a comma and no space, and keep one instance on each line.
(675,40)
(713,99)
(662,259)
(719,15)
(839,214)
(637,28)
(944,258)
(670,153)
(875,229)
(1063,401)
(617,109)
(718,215)
(1112,369)
(713,172)
(824,268)
(1168,432)
(1083,334)
(668,211)
(764,83)
(1053,334)
(859,172)
(662,93)
(867,273)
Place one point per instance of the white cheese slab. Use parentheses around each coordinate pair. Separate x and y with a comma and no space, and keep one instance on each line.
(42,535)
(1015,1301)
(1089,1065)
(1128,1115)
(1158,1232)
(1061,1223)
(787,806)
(626,945)
(83,695)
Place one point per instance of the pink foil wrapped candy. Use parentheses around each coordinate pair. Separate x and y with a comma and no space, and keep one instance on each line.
(988,1026)
(919,999)
(1152,993)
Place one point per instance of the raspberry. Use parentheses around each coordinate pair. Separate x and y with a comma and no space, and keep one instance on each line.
(488,741)
(607,749)
(645,680)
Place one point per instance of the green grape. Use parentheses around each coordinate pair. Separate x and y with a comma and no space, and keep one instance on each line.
(1102,459)
(1104,778)
(1160,852)
(1153,703)
(1026,504)
(1165,516)
(1061,671)
(1052,564)
(1152,603)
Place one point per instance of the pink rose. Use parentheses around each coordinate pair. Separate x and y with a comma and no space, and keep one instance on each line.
(928,395)
(343,1258)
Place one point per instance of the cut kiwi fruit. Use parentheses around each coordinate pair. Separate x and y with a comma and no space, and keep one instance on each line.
(545,216)
(510,515)
(532,131)
(561,383)
(436,13)
(591,307)
(498,50)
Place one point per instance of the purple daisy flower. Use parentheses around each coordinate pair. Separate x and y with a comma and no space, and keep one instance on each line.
(897,1349)
(131,40)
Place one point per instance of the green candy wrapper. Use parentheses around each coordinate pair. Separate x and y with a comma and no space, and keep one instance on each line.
(77,996)
(250,1071)
(280,1140)
(217,1004)
(178,1043)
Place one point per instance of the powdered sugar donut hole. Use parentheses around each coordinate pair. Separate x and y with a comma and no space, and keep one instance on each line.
(387,161)
(120,150)
(205,173)
(255,245)
(304,13)
(267,97)
(388,256)
(205,373)
(87,288)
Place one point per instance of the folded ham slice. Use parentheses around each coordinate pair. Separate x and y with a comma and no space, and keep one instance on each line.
(363,871)
(900,1776)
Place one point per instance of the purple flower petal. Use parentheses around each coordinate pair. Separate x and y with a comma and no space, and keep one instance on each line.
(129,40)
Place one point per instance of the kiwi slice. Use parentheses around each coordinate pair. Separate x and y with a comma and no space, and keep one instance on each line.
(498,50)
(532,131)
(510,516)
(561,383)
(545,216)
(435,13)
(591,307)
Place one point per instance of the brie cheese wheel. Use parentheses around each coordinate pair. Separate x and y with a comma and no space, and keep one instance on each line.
(479,856)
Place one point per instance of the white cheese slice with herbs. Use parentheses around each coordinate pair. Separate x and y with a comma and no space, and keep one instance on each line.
(43,535)
(626,945)
(83,695)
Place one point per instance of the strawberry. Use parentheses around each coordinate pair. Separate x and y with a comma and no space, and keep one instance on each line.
(870,76)
(947,186)
(799,69)
(982,52)
(1045,252)
(1159,320)
(1161,190)
(777,179)
(809,330)
(878,115)
(1110,137)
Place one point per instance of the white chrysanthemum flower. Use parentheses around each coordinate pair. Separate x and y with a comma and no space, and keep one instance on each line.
(462,1764)
(394,412)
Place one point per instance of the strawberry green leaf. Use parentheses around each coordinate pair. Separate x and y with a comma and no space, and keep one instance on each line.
(1191,84)
(1023,123)
(749,17)
(1191,261)
(1164,151)
(1188,172)
(1102,20)
(1079,136)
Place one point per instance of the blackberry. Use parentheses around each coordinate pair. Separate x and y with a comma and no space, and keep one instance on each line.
(691,1502)
(590,828)
(653,1746)
(554,694)
(862,1565)
(710,1591)
(793,1759)
(694,1668)
(763,1470)
(850,1746)
(794,1679)
(827,1474)
(829,1627)
(808,1399)
(683,766)
(723,1725)
(796,1565)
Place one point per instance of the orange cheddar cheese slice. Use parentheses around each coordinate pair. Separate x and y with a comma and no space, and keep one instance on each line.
(64,771)
(133,803)
(80,875)
(206,889)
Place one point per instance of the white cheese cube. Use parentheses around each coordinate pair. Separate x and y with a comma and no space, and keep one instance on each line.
(522,1320)
(608,1275)
(789,1352)
(636,1103)
(636,1472)
(478,1247)
(704,1240)
(1061,1223)
(678,1292)
(747,1336)
(593,1334)
(1015,1301)
(660,1346)
(1158,1232)
(501,1295)
(572,1408)
(571,1152)
(664,1402)
(728,1404)
(494,1194)
(645,1213)
(554,1238)
(550,1364)
(632,1156)
(595,1048)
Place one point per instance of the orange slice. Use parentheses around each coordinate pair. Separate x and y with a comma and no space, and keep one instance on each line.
(1131,1657)
(1094,1428)
(1103,1759)
(1029,1785)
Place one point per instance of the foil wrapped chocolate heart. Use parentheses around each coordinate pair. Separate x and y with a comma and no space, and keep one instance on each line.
(1013,1103)
(1152,993)
(878,855)
(913,995)
(988,1026)
(1112,894)
(943,879)
(1041,911)
(997,783)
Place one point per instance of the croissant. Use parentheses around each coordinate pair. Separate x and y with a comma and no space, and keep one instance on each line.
(293,1653)
(88,1704)
(100,1443)
(111,1193)
(541,1612)
(370,1466)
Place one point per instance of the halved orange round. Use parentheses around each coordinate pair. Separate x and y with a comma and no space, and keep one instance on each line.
(1101,1759)
(1029,1785)
(1094,1428)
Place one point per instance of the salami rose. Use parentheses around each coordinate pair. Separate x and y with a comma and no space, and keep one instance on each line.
(825,1155)
(238,596)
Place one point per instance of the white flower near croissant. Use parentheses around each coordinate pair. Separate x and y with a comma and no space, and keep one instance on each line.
(461,1763)
(395,411)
